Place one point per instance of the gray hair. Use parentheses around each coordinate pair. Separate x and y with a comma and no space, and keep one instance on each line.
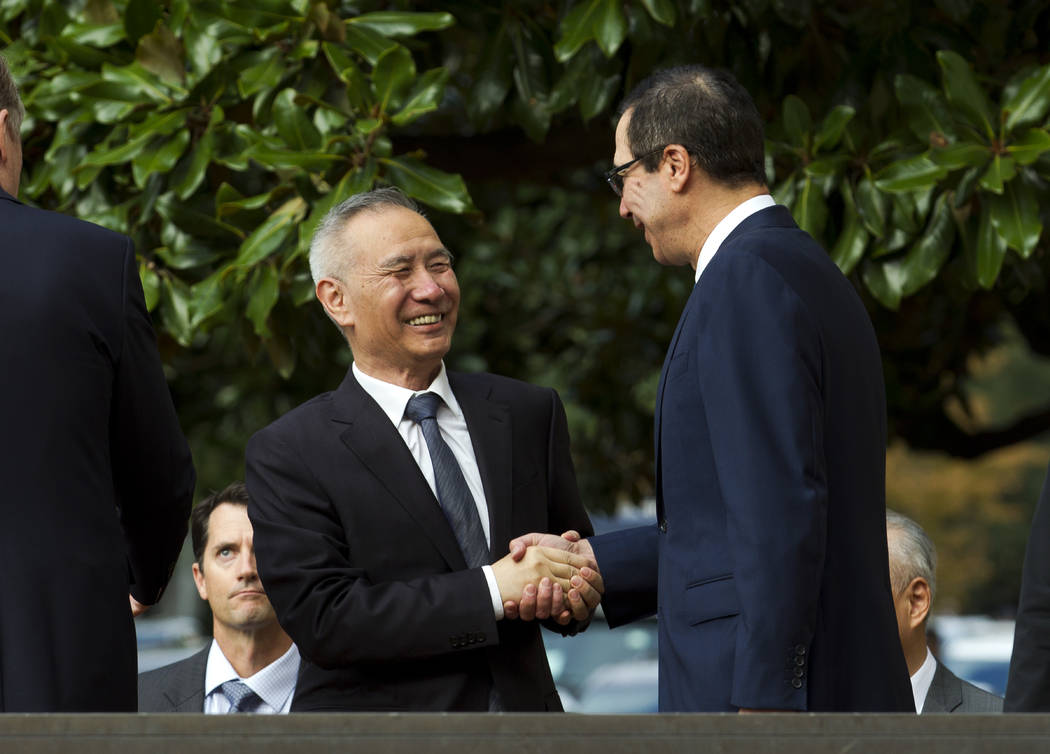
(9,99)
(327,258)
(912,554)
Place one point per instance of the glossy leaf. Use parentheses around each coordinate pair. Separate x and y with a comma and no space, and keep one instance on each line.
(910,175)
(599,20)
(392,76)
(885,281)
(831,129)
(927,255)
(273,232)
(294,128)
(160,53)
(266,286)
(964,92)
(811,211)
(797,121)
(1032,145)
(175,303)
(424,97)
(265,73)
(991,250)
(873,207)
(999,171)
(662,11)
(428,184)
(369,43)
(140,17)
(852,241)
(160,158)
(1015,215)
(150,285)
(1031,102)
(926,109)
(961,154)
(403,24)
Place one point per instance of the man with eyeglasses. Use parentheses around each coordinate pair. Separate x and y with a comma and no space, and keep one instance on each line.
(768,564)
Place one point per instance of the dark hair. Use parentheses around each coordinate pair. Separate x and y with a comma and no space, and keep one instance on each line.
(234,494)
(707,112)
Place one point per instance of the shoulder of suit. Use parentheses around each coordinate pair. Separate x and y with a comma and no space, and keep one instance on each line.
(976,699)
(187,663)
(51,224)
(305,411)
(498,384)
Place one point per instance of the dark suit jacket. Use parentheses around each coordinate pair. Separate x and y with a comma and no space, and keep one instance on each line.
(769,561)
(363,569)
(97,478)
(1028,687)
(949,693)
(178,687)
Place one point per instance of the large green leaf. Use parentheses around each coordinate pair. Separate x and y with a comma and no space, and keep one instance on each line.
(265,288)
(991,250)
(964,92)
(492,80)
(961,154)
(797,121)
(160,53)
(424,97)
(150,285)
(175,303)
(1015,215)
(811,211)
(428,184)
(914,173)
(138,79)
(1033,144)
(885,281)
(926,256)
(831,129)
(369,43)
(297,131)
(999,171)
(160,159)
(392,76)
(662,11)
(140,17)
(852,241)
(271,234)
(873,207)
(403,24)
(926,109)
(599,20)
(1031,101)
(266,72)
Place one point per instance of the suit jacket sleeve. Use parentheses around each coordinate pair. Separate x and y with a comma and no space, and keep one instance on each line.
(1028,687)
(152,470)
(760,380)
(327,602)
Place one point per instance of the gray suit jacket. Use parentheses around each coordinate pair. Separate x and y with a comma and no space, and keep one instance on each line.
(949,693)
(178,687)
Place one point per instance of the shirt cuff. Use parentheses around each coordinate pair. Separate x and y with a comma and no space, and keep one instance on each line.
(497,601)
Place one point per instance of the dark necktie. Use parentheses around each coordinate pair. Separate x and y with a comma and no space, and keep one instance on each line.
(242,698)
(452,491)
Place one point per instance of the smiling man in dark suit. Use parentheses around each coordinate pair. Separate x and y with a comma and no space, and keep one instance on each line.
(768,564)
(382,509)
(251,664)
(97,475)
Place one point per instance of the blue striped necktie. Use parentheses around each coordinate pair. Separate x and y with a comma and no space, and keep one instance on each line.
(452,491)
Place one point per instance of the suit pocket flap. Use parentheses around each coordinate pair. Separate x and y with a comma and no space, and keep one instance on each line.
(710,599)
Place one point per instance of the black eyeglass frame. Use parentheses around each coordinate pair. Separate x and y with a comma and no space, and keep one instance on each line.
(615,176)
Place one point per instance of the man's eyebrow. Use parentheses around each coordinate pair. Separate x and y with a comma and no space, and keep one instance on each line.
(407,259)
(223,546)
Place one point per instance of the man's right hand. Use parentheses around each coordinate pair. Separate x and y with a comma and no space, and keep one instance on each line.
(513,574)
(552,600)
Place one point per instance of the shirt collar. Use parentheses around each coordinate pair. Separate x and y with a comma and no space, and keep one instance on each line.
(393,398)
(921,681)
(726,226)
(273,683)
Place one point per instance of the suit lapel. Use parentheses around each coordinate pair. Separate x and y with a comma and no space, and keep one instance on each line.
(658,410)
(490,435)
(187,686)
(377,445)
(945,691)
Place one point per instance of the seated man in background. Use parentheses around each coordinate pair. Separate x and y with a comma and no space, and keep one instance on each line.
(251,664)
(913,577)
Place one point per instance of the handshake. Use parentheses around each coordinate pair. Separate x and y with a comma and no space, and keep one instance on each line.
(549,576)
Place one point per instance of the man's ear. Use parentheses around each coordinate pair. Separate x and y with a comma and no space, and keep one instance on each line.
(6,140)
(679,164)
(919,601)
(198,579)
(333,297)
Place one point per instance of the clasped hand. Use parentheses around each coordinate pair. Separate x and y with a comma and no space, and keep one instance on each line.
(547,576)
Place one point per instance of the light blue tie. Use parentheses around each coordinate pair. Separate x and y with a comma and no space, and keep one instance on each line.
(452,491)
(242,698)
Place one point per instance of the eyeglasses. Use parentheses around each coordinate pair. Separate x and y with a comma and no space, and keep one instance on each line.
(616,175)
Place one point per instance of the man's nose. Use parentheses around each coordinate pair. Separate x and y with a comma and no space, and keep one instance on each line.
(624,212)
(425,286)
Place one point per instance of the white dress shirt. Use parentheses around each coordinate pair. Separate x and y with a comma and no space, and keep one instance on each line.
(920,682)
(393,399)
(726,226)
(274,684)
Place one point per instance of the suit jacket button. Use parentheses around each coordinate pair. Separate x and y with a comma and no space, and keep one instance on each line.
(800,649)
(800,661)
(481,636)
(799,672)
(796,683)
